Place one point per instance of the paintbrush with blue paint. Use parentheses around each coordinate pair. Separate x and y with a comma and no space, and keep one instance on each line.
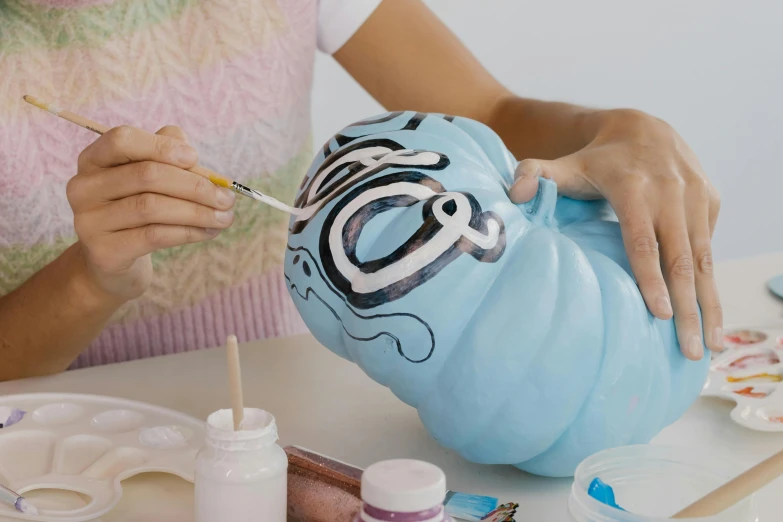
(16,501)
(469,507)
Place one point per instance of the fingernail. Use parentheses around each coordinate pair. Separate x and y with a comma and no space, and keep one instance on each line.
(212,232)
(694,348)
(184,154)
(224,217)
(225,197)
(717,339)
(664,305)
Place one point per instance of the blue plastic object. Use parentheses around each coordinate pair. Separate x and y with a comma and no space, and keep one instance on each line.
(516,331)
(776,285)
(603,492)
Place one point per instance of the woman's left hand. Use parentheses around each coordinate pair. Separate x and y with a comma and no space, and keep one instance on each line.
(667,210)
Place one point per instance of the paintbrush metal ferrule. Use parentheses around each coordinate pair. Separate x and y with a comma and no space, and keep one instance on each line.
(16,501)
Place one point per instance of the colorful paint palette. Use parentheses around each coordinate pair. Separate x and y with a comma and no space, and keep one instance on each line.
(87,445)
(750,373)
(744,337)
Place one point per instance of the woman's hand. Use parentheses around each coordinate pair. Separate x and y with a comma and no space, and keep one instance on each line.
(666,207)
(132,196)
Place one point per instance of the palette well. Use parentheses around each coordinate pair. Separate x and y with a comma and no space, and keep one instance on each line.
(750,373)
(87,445)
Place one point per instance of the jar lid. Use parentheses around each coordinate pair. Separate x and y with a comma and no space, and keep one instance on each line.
(403,486)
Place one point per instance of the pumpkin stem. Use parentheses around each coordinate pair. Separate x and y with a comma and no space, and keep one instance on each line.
(541,209)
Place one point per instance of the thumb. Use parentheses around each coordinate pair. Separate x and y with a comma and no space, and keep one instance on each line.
(526,180)
(565,171)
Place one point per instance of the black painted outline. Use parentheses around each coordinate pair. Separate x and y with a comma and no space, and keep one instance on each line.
(342,140)
(429,227)
(336,189)
(309,290)
(301,200)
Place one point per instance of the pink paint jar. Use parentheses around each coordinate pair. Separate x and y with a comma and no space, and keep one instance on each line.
(403,491)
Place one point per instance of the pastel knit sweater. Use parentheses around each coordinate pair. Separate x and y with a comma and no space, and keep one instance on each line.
(235,75)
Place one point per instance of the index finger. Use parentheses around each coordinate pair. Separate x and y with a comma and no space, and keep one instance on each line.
(126,144)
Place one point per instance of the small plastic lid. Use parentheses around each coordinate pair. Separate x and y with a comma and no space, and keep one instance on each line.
(403,486)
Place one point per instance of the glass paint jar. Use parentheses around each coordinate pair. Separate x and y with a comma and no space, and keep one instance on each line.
(241,476)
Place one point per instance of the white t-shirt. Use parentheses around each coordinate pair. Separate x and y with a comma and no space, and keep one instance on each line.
(338,20)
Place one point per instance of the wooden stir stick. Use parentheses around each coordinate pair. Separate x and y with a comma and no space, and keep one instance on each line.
(736,489)
(235,382)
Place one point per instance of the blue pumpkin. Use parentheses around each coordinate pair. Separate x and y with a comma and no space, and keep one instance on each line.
(516,331)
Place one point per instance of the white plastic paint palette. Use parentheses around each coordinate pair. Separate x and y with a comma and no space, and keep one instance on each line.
(88,444)
(750,372)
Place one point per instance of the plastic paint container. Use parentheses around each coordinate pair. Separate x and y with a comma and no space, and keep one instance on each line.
(403,490)
(653,483)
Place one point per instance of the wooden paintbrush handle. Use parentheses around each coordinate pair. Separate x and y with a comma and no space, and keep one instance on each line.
(97,128)
(204,172)
(101,129)
(736,489)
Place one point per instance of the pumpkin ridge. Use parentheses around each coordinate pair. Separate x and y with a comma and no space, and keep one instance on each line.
(597,365)
(515,243)
(500,417)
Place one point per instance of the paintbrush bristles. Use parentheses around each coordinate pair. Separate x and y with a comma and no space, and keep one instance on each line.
(235,382)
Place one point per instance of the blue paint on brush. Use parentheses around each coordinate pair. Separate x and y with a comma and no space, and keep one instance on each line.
(603,492)
(469,507)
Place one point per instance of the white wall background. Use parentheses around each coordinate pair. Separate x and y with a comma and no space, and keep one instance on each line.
(711,68)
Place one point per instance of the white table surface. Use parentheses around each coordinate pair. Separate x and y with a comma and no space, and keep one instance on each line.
(327,404)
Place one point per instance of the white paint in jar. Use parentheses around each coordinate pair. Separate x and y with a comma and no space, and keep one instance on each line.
(241,476)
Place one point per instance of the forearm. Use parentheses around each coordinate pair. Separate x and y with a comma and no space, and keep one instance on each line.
(51,318)
(407,59)
(541,129)
(404,57)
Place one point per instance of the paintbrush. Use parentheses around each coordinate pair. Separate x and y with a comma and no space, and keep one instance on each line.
(736,489)
(204,172)
(17,501)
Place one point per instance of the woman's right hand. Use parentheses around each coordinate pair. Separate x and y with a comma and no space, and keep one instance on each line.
(132,196)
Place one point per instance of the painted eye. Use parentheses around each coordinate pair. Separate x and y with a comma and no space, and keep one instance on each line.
(306,268)
(296,259)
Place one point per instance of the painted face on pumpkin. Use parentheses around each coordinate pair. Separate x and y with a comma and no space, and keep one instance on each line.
(371,178)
